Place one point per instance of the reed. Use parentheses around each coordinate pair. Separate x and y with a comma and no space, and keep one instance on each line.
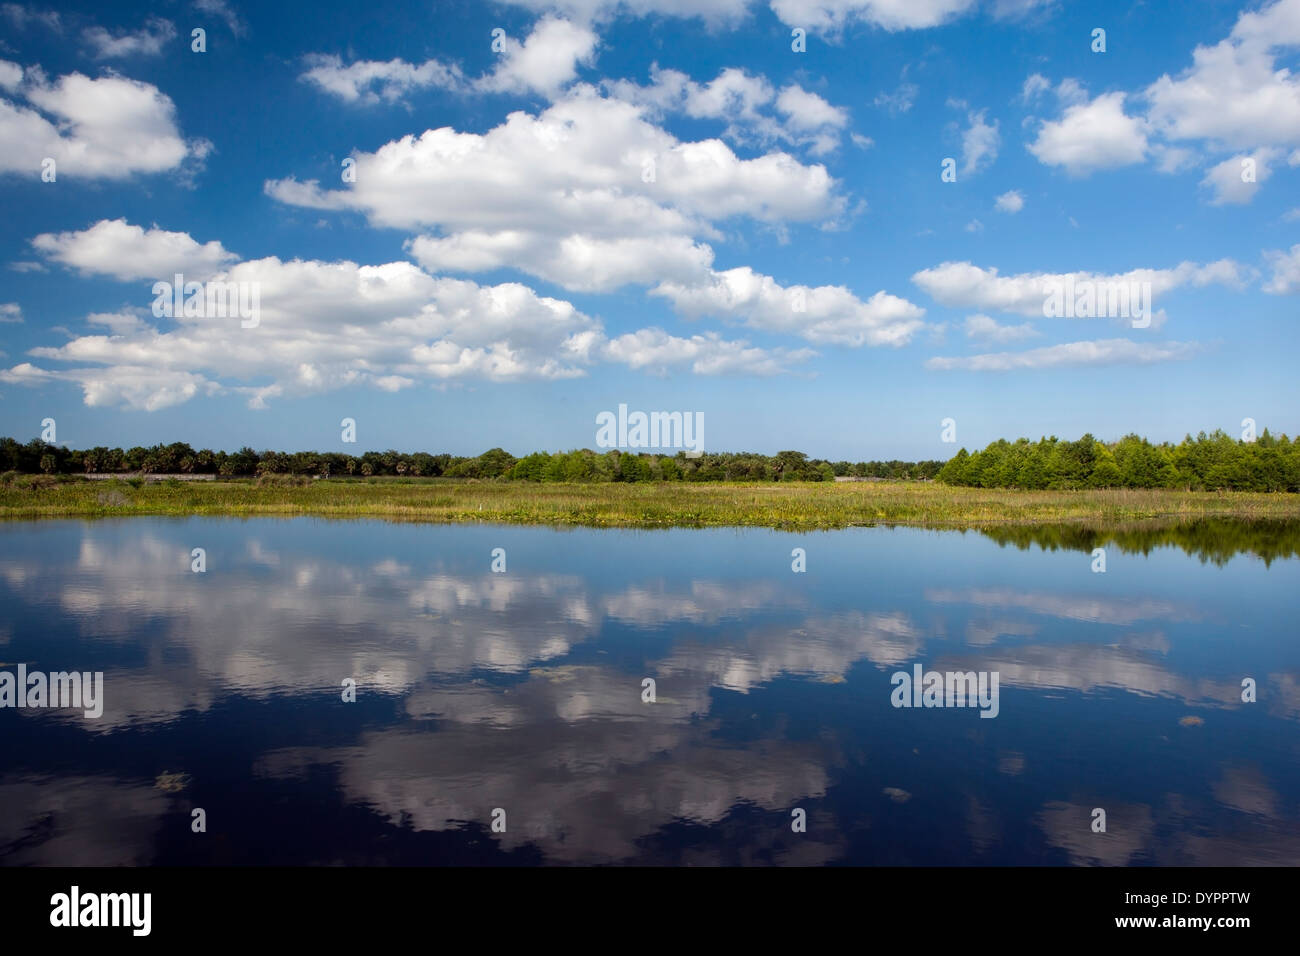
(787,505)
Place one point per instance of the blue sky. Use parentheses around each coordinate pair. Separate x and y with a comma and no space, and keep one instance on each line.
(622,204)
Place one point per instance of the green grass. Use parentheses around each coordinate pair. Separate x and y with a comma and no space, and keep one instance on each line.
(792,506)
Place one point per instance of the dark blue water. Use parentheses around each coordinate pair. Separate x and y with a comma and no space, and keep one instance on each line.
(522,692)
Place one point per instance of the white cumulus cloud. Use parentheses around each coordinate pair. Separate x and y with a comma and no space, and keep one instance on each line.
(111,127)
(1092,135)
(329,325)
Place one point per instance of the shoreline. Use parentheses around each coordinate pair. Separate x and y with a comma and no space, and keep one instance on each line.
(779,505)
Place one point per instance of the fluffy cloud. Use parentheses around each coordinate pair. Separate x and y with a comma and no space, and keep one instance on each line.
(545,62)
(106,128)
(963,285)
(1234,97)
(582,263)
(829,315)
(142,387)
(579,166)
(329,325)
(1069,354)
(126,252)
(1235,180)
(590,195)
(808,110)
(370,81)
(1092,135)
(1234,93)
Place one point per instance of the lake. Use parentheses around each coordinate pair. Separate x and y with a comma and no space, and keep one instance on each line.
(506,717)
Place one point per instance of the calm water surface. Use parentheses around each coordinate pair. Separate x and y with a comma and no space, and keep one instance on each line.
(523,691)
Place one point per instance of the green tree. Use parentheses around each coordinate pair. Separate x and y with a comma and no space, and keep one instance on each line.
(957,469)
(1105,471)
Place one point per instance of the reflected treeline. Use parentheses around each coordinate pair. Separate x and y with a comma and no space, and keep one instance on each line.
(1210,539)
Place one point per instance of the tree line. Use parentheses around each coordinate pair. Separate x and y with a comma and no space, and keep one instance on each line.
(1204,463)
(578,465)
